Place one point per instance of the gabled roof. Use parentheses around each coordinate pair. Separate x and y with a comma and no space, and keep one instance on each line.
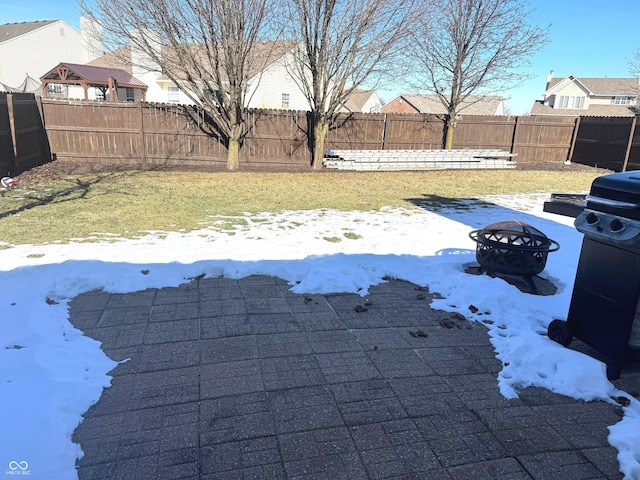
(263,55)
(603,86)
(76,73)
(9,31)
(472,105)
(357,99)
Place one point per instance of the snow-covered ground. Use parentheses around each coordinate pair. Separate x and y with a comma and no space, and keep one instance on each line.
(50,373)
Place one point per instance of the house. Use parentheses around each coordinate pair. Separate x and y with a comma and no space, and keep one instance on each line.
(365,101)
(28,49)
(271,86)
(417,103)
(70,80)
(573,96)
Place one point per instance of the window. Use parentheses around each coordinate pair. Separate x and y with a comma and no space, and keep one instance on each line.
(285,101)
(54,89)
(571,102)
(622,101)
(131,96)
(173,94)
(100,94)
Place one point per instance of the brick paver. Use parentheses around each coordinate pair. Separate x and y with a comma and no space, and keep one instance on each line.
(227,379)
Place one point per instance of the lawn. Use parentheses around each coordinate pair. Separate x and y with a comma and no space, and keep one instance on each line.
(129,204)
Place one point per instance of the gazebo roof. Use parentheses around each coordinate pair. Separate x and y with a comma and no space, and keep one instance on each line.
(76,74)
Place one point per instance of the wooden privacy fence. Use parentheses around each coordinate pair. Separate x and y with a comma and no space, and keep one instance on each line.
(181,135)
(608,142)
(23,140)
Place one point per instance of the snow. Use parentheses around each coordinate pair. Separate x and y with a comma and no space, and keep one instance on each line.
(50,373)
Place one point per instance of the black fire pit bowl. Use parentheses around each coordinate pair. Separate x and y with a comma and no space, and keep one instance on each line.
(512,248)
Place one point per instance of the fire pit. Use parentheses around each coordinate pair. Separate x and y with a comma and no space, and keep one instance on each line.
(513,248)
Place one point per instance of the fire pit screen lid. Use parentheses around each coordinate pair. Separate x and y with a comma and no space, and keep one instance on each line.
(516,234)
(514,226)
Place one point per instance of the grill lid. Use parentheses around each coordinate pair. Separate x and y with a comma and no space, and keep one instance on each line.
(617,194)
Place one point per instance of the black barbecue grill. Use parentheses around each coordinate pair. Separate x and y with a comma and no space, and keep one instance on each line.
(604,303)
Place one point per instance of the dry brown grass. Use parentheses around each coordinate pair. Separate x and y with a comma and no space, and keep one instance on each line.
(127,203)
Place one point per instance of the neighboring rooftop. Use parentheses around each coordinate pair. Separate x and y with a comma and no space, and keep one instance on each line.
(472,105)
(9,31)
(357,99)
(603,86)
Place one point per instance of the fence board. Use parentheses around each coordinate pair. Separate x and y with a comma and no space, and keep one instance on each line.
(543,139)
(602,142)
(484,132)
(7,158)
(183,135)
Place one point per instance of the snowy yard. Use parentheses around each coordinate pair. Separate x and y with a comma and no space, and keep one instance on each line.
(50,373)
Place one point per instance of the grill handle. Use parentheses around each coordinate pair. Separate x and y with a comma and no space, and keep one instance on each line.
(611,203)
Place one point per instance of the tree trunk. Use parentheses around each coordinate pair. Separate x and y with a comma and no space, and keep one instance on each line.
(320,129)
(233,156)
(449,128)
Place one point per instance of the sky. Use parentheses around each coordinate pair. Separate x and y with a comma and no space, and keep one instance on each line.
(588,38)
(51,373)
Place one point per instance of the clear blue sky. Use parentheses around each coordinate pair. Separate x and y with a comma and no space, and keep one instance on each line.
(589,38)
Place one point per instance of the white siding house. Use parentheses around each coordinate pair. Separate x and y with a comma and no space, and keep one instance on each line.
(275,88)
(573,96)
(33,48)
(270,85)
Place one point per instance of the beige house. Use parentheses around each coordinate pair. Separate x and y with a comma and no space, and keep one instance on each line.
(29,49)
(573,96)
(270,84)
(472,105)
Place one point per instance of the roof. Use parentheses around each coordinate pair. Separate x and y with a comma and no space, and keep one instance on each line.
(539,108)
(263,55)
(9,31)
(93,75)
(604,86)
(114,59)
(472,105)
(357,99)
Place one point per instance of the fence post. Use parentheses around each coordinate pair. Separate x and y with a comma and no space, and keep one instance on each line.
(384,131)
(515,134)
(12,125)
(574,137)
(143,148)
(629,142)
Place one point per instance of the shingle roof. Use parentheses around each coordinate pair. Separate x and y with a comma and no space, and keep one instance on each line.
(95,75)
(9,31)
(605,86)
(263,55)
(593,111)
(357,99)
(115,59)
(472,105)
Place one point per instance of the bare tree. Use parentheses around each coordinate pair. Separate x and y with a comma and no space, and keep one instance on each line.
(342,44)
(462,48)
(208,48)
(634,63)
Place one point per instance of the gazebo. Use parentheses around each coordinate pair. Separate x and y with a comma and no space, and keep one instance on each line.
(107,80)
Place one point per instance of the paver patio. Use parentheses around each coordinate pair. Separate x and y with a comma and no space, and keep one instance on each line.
(231,379)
